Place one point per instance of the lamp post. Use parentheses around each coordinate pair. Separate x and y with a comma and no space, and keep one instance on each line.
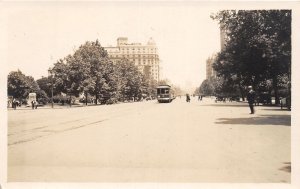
(50,73)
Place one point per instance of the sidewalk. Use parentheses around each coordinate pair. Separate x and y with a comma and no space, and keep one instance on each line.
(273,105)
(48,107)
(67,106)
(238,113)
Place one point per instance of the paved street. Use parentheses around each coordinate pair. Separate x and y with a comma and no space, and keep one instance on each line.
(150,142)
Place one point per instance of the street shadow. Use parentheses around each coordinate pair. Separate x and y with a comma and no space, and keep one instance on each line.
(287,167)
(22,109)
(277,110)
(280,120)
(225,105)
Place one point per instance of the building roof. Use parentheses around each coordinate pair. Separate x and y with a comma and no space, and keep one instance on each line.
(151,42)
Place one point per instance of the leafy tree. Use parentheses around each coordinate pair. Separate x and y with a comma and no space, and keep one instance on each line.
(132,81)
(151,86)
(60,78)
(99,73)
(62,83)
(20,85)
(258,47)
(111,86)
(206,88)
(89,71)
(197,91)
(45,85)
(17,85)
(42,97)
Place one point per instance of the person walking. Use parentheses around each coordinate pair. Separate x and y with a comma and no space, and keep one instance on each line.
(32,104)
(188,99)
(14,104)
(251,99)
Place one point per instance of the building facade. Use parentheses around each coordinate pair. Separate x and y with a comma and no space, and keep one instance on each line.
(210,72)
(145,57)
(222,36)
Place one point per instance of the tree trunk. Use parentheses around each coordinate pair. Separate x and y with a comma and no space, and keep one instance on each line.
(86,98)
(241,92)
(70,100)
(275,87)
(96,99)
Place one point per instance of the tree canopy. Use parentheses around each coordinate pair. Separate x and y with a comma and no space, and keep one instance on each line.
(19,86)
(90,71)
(257,47)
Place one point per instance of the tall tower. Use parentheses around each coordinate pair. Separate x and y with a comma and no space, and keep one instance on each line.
(222,36)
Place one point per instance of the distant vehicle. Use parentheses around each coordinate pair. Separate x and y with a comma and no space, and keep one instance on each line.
(32,96)
(286,102)
(234,98)
(164,93)
(264,98)
(220,98)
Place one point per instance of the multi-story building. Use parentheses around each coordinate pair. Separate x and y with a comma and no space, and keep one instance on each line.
(222,36)
(210,72)
(145,57)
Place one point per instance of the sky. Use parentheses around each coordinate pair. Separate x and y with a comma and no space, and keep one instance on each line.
(37,35)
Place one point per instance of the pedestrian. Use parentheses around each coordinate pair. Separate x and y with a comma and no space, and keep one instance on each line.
(32,104)
(251,99)
(14,104)
(188,99)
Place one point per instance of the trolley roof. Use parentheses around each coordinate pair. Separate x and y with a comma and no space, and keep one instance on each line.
(163,86)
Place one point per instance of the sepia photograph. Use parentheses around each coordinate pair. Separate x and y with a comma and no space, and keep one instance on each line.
(149,92)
